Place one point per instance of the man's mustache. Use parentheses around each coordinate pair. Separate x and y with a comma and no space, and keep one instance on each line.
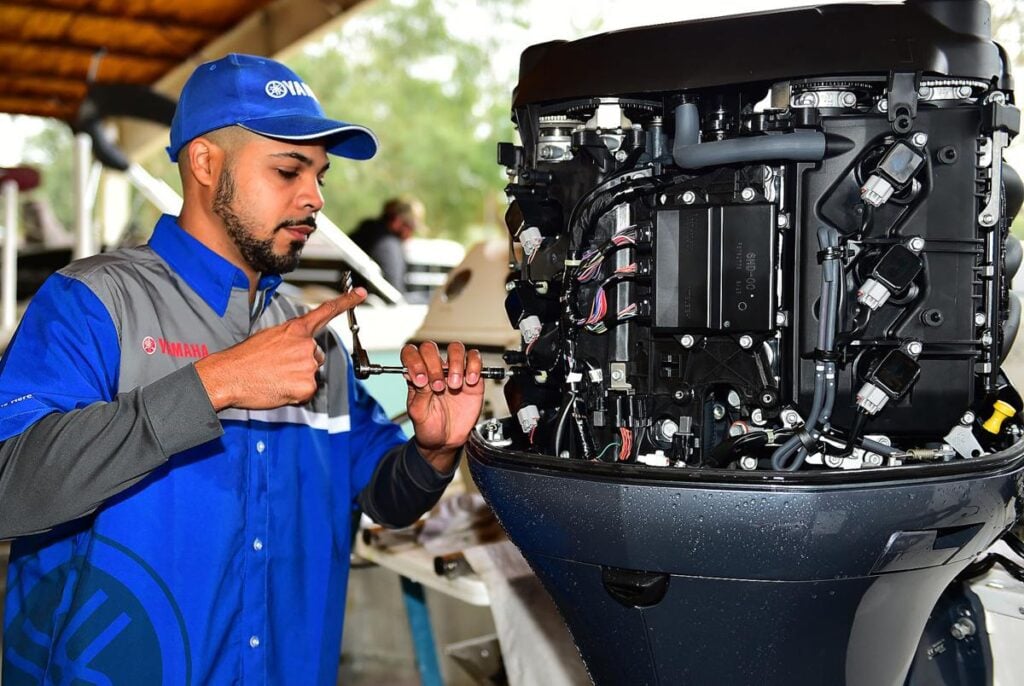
(309,221)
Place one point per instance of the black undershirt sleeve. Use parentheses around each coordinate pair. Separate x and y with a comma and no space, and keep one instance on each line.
(403,486)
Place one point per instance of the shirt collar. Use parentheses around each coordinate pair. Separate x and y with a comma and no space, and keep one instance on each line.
(210,275)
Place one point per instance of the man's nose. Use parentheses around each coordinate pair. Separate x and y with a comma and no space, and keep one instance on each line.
(311,198)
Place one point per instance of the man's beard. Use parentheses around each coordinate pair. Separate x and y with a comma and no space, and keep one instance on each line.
(259,254)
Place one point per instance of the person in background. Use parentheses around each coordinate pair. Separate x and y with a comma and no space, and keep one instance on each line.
(182,448)
(381,238)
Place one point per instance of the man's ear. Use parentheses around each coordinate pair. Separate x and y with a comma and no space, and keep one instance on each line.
(205,160)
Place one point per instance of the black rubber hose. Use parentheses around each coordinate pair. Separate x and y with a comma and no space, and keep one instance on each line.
(1011,327)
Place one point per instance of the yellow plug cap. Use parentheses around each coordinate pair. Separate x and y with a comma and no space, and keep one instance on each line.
(1001,412)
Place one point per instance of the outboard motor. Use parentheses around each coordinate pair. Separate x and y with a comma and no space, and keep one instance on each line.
(758,418)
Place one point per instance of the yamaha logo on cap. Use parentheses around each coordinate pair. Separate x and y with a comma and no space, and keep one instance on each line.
(279,89)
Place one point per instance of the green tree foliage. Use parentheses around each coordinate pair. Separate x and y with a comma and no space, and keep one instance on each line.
(434,103)
(50,151)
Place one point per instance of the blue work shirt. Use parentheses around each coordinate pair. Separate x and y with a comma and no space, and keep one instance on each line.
(227,560)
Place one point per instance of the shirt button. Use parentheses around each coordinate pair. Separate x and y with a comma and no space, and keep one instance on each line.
(260,446)
(254,641)
(257,544)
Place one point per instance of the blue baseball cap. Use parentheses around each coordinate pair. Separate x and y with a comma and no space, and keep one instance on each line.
(265,97)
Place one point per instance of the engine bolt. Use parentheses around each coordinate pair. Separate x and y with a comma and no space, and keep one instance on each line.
(687,341)
(883,105)
(617,375)
(791,417)
(848,99)
(782,221)
(963,92)
(748,194)
(689,197)
(963,628)
(967,419)
(833,461)
(917,244)
(980,319)
(749,463)
(919,139)
(915,347)
(679,395)
(718,411)
(987,219)
(757,417)
(746,341)
(667,428)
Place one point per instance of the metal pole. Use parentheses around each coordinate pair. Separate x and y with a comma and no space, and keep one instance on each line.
(85,241)
(9,279)
(163,197)
(422,634)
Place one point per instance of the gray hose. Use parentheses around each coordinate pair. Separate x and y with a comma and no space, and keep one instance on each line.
(878,448)
(689,153)
(687,127)
(824,373)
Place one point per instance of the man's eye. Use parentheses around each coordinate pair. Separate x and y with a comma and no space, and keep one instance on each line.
(320,181)
(288,174)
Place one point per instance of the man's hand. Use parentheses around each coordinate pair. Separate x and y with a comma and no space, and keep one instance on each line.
(443,409)
(276,366)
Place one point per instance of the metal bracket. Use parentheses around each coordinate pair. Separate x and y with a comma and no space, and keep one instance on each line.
(993,154)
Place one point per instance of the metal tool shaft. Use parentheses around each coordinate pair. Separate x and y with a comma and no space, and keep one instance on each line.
(364,370)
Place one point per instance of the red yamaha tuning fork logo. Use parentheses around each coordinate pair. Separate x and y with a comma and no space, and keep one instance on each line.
(149,345)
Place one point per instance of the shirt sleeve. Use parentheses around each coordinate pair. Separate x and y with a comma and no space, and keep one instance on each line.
(68,440)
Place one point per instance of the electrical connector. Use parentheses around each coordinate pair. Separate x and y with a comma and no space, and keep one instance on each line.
(530,327)
(529,417)
(530,238)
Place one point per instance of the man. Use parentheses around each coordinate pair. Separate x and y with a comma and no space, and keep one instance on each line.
(190,444)
(381,238)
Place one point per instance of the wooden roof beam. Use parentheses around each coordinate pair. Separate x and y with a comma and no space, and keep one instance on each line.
(48,27)
(39,107)
(167,54)
(150,17)
(74,62)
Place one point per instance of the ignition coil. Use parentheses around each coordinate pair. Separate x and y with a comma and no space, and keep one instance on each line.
(893,173)
(890,379)
(893,274)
